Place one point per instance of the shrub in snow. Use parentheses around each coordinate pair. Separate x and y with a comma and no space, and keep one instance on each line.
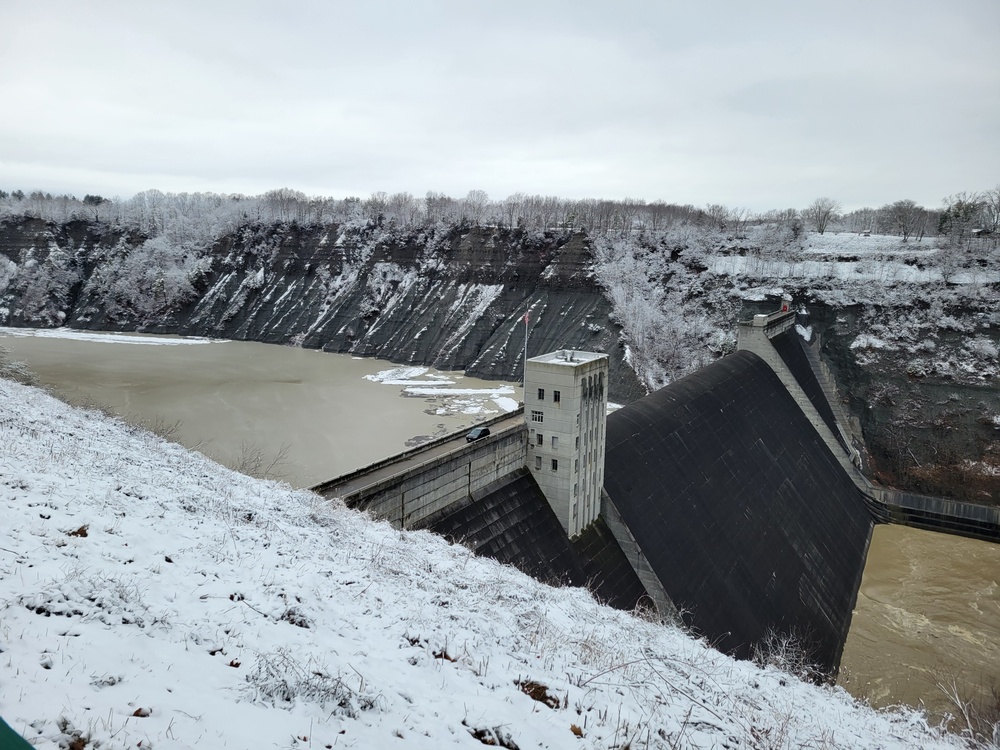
(982,348)
(278,678)
(789,653)
(868,341)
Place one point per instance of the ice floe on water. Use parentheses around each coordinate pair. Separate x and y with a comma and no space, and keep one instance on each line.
(108,338)
(498,391)
(444,391)
(401,376)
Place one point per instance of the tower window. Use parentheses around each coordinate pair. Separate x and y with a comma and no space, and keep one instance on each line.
(555,397)
(541,394)
(555,442)
(538,463)
(536,416)
(555,464)
(539,439)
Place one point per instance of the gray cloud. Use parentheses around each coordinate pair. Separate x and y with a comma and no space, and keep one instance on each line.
(763,105)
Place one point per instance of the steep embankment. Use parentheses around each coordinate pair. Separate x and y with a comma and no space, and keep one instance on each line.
(150,598)
(453,298)
(922,384)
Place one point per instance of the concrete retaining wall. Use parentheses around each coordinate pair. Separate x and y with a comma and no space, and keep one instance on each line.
(412,496)
(329,487)
(639,562)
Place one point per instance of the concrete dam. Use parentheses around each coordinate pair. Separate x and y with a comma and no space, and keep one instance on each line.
(729,499)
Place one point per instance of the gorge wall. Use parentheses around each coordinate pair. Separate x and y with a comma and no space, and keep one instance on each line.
(452,298)
(913,341)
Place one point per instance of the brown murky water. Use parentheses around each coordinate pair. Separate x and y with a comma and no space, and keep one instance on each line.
(928,616)
(929,606)
(236,401)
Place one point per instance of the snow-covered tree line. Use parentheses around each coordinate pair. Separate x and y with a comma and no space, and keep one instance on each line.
(197,219)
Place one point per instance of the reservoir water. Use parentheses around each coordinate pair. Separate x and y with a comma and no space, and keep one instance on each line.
(320,414)
(929,606)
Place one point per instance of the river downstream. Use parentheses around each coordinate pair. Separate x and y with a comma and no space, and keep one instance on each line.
(928,610)
(927,620)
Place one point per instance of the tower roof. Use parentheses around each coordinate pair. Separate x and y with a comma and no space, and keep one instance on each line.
(567,357)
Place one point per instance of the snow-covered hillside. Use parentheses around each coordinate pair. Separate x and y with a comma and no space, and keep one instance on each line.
(150,598)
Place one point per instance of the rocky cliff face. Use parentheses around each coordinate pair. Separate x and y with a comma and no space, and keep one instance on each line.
(453,298)
(917,360)
(929,408)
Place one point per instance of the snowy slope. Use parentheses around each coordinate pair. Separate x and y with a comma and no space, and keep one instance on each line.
(151,598)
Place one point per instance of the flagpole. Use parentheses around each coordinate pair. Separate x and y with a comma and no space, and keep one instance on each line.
(524,374)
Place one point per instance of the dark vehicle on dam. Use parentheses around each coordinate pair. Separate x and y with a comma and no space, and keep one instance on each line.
(477,433)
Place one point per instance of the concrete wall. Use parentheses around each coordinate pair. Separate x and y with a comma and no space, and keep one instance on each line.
(741,511)
(336,487)
(408,499)
(569,472)
(755,336)
(638,561)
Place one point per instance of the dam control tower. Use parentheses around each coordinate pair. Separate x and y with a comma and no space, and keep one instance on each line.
(565,407)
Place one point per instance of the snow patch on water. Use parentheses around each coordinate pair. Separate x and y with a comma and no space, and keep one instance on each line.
(108,338)
(505,403)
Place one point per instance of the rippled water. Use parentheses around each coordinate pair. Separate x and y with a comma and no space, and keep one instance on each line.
(928,614)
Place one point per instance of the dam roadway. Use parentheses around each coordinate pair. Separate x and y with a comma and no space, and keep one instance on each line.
(352,483)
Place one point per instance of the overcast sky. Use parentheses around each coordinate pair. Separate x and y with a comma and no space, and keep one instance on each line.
(765,104)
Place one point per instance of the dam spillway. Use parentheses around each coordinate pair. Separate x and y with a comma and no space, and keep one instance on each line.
(745,515)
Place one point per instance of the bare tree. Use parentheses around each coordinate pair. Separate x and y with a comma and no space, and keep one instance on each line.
(991,210)
(963,213)
(904,217)
(821,213)
(283,204)
(862,220)
(740,219)
(376,206)
(512,208)
(439,206)
(628,210)
(404,209)
(718,215)
(474,205)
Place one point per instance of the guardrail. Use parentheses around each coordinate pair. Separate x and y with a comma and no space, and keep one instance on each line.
(412,452)
(934,513)
(774,323)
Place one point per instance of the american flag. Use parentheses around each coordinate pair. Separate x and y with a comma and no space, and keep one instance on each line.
(527,317)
